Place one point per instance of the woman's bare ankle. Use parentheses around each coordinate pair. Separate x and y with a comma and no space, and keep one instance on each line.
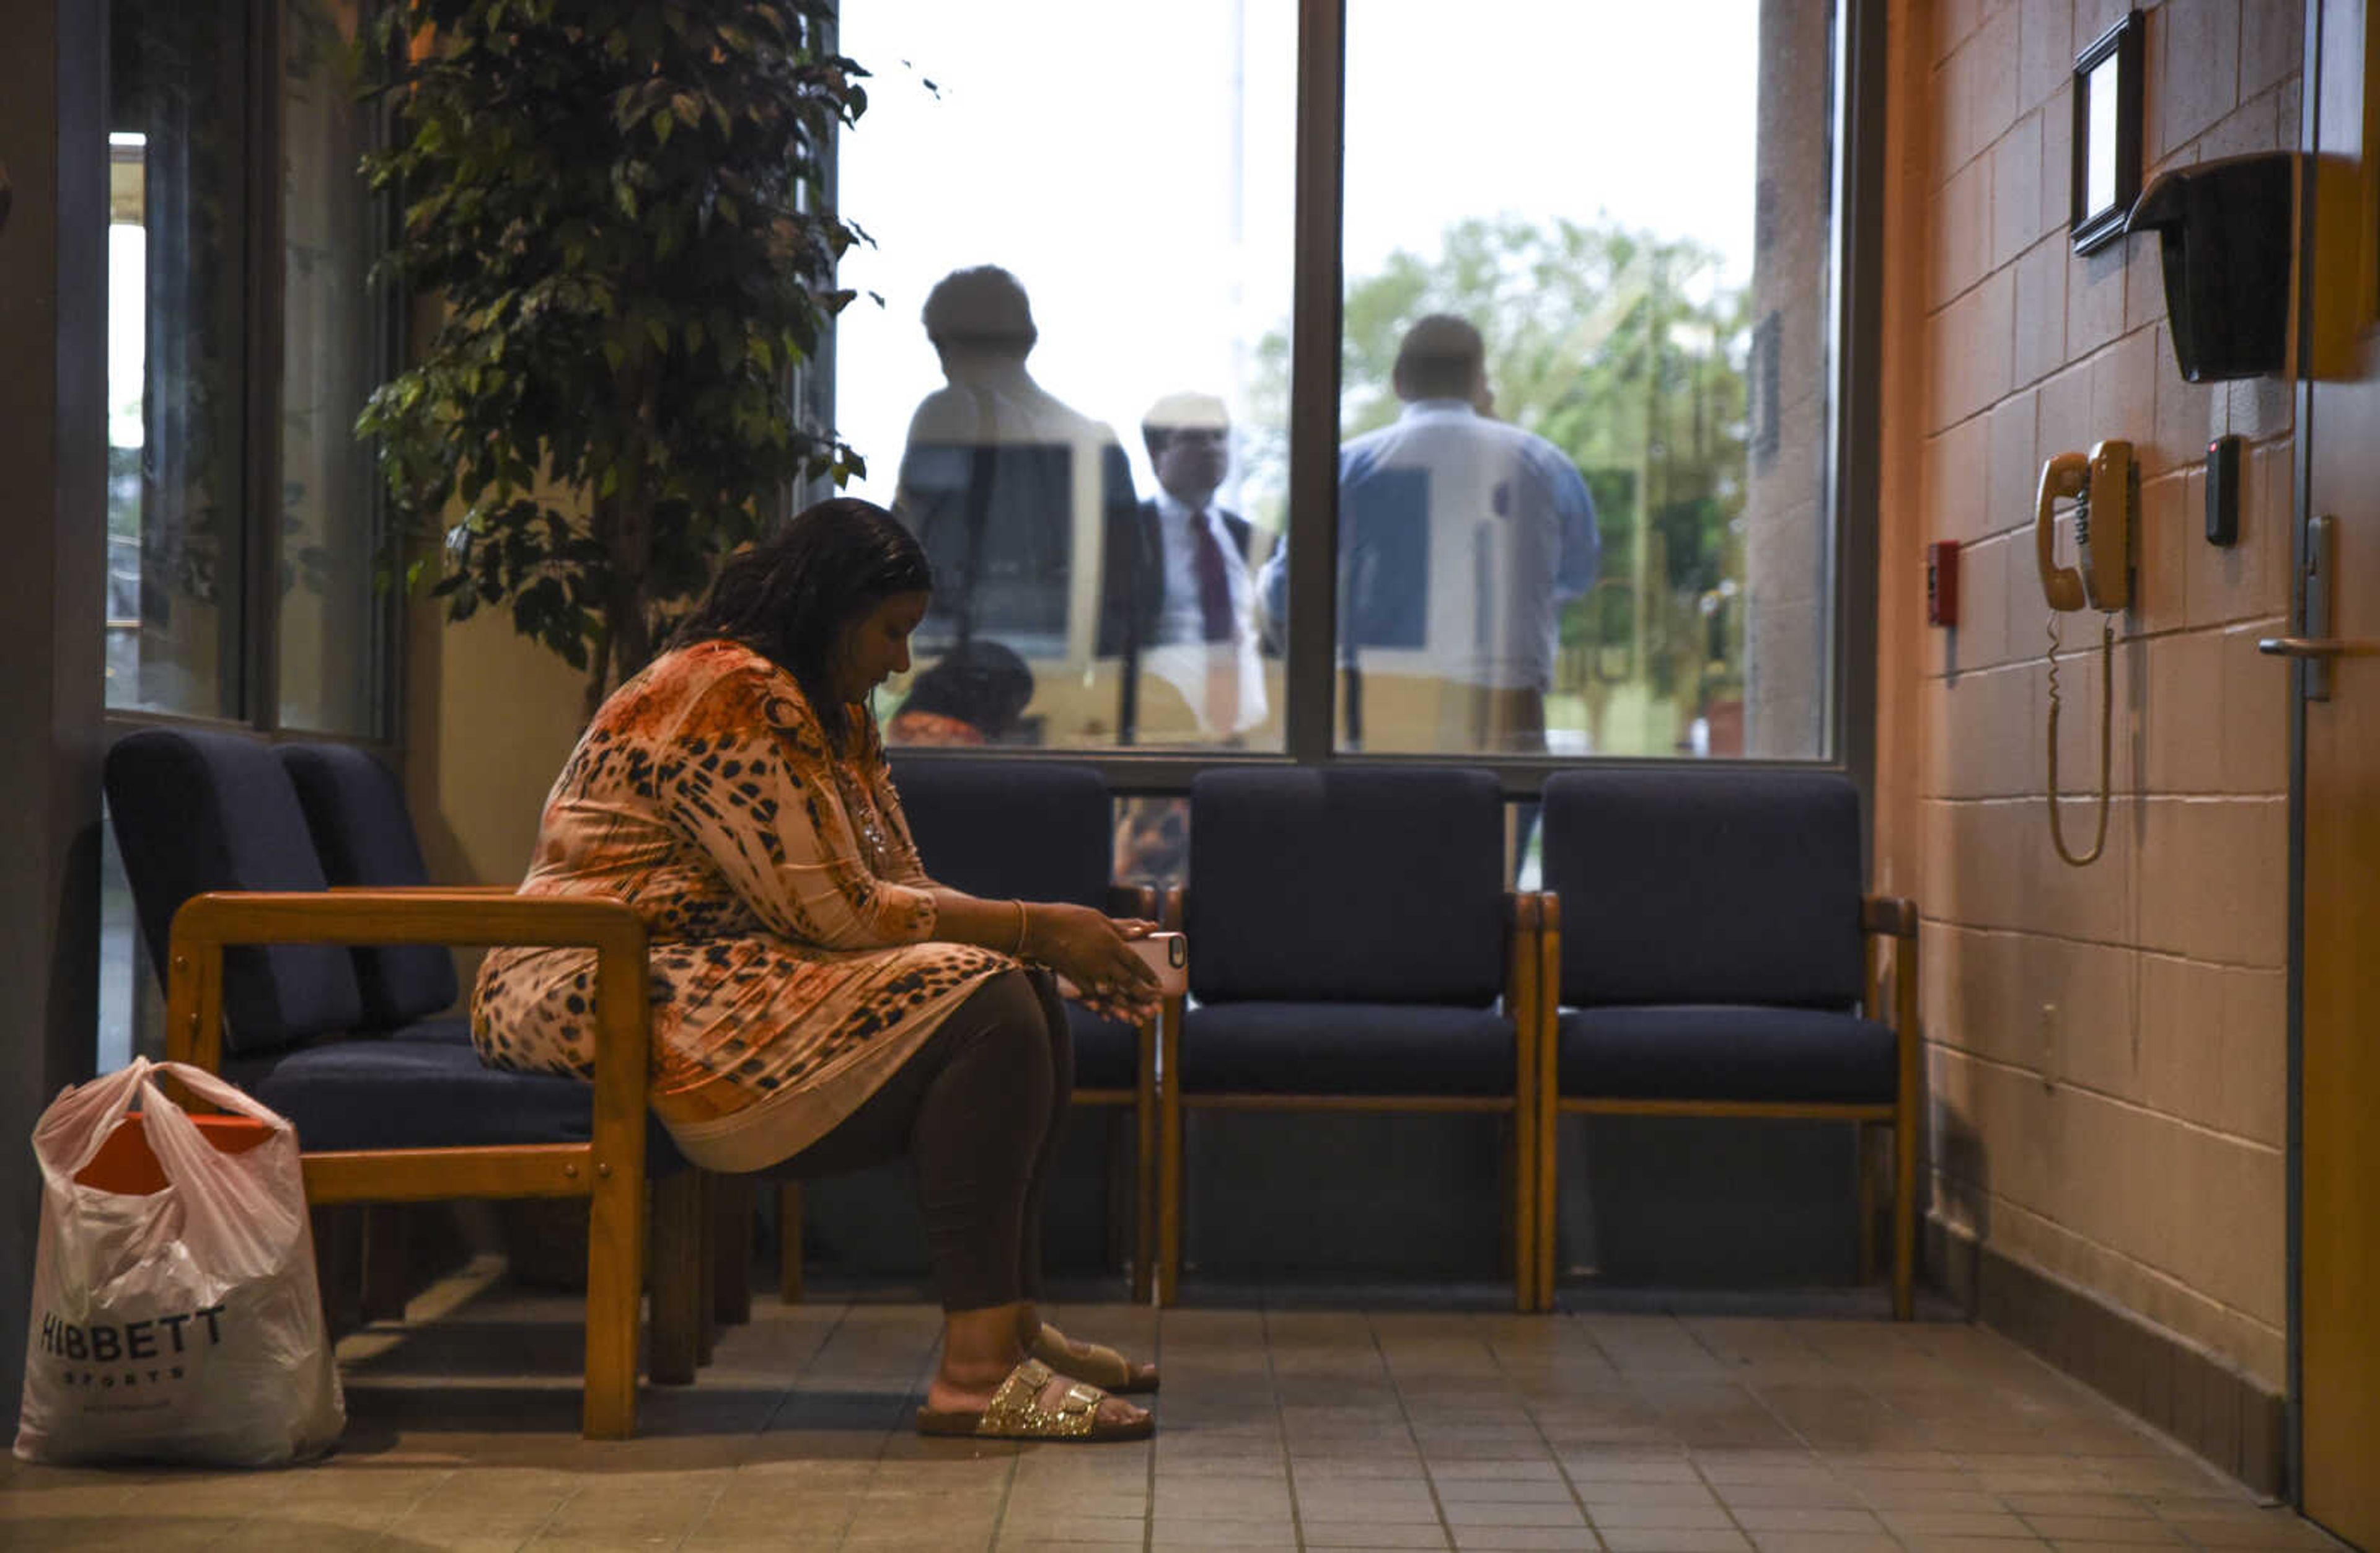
(980,1347)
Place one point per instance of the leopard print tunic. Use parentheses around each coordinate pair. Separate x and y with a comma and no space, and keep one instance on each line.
(792,964)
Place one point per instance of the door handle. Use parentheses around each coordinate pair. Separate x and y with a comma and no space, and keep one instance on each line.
(2311,644)
(2317,646)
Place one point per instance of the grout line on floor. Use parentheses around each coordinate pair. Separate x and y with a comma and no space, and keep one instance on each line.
(801,1365)
(1149,1494)
(1528,1411)
(1396,1389)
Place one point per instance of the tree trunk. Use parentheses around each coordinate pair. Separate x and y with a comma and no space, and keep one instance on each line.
(624,527)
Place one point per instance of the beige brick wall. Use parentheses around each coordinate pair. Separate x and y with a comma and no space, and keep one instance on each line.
(2106,1045)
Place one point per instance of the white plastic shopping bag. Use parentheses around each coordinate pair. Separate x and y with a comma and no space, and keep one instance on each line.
(181,1324)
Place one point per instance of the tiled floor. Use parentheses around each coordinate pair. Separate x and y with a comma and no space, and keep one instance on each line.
(1279,1427)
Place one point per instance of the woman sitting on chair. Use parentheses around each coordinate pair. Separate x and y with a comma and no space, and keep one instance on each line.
(820,1004)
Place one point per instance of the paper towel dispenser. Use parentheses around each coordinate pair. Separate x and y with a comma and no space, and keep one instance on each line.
(2226,231)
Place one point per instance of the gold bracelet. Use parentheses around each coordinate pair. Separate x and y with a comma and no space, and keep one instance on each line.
(1020,927)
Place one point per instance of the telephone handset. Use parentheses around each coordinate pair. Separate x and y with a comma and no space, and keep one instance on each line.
(2104,489)
(2101,488)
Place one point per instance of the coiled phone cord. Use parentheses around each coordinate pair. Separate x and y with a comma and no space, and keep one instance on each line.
(2107,743)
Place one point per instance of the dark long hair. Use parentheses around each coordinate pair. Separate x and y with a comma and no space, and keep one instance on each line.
(791,597)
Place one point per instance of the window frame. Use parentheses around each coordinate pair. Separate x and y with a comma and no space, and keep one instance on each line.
(263,258)
(1849,456)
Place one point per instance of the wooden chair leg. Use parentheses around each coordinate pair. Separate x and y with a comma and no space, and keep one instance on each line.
(789,1243)
(1904,1219)
(1513,1256)
(1169,1179)
(1908,1111)
(706,1267)
(1144,1162)
(1548,1097)
(386,1272)
(1549,1196)
(732,1209)
(677,1279)
(615,1267)
(1864,1187)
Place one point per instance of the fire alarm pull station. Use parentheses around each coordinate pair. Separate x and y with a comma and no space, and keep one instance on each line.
(1942,583)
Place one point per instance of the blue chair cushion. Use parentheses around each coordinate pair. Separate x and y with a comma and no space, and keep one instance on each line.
(1345,1049)
(1368,884)
(422,1088)
(1010,828)
(452,1030)
(356,810)
(1702,1052)
(1107,1052)
(196,810)
(1706,886)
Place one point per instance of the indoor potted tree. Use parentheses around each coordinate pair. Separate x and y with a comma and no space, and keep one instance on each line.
(621,206)
(620,209)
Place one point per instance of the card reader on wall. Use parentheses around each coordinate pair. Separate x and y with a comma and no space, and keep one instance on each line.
(2227,231)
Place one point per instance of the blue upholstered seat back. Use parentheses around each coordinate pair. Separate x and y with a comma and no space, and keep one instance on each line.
(1354,884)
(1706,886)
(1006,829)
(355,809)
(197,810)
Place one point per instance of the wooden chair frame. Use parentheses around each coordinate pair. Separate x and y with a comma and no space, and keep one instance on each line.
(608,1170)
(1880,918)
(1524,968)
(1123,901)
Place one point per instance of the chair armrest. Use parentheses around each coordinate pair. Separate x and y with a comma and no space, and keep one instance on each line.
(1174,911)
(208,924)
(1892,915)
(441,889)
(1896,917)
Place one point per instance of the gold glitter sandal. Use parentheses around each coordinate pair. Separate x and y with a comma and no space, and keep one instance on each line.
(1018,1412)
(1099,1365)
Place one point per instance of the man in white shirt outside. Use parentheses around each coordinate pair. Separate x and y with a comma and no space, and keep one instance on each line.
(1461,538)
(1001,480)
(1177,595)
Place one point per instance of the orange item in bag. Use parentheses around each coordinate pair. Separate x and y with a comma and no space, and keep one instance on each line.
(124,1164)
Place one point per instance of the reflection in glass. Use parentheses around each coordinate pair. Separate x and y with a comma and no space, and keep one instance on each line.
(176,487)
(1612,537)
(999,475)
(1461,537)
(329,609)
(1177,599)
(1066,316)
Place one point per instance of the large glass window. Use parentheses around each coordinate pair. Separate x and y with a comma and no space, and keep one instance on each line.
(329,636)
(1058,369)
(1584,391)
(242,525)
(1552,535)
(176,481)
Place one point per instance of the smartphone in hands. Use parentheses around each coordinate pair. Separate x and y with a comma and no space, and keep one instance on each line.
(1166,954)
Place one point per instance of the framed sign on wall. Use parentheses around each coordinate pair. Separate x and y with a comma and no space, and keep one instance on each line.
(2106,173)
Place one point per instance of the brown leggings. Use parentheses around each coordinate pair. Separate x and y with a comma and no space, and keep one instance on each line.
(976,1111)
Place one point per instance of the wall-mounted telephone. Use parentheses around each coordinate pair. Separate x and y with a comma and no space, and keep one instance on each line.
(2105,491)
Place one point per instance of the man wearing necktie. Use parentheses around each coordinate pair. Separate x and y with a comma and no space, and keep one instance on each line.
(1177,595)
